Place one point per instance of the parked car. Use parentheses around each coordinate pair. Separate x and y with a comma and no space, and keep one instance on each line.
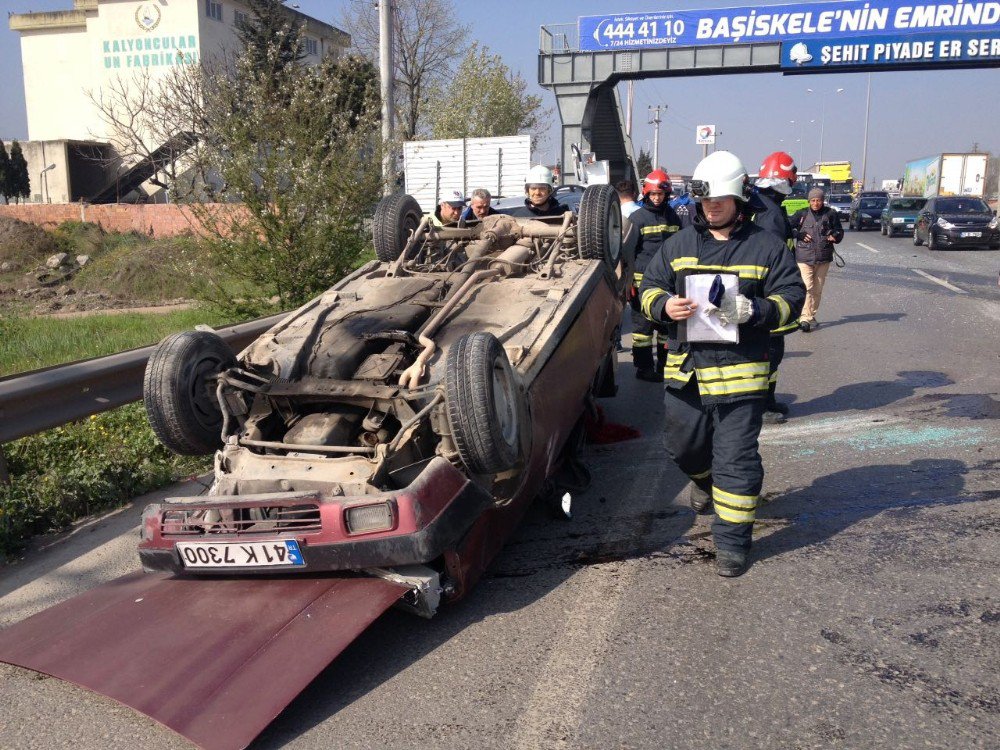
(405,417)
(900,214)
(956,221)
(841,202)
(866,211)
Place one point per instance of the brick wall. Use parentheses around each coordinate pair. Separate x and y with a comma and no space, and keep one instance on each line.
(156,220)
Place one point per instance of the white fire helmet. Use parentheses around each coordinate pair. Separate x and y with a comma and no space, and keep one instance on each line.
(539,175)
(718,175)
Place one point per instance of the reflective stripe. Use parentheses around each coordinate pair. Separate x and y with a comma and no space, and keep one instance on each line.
(784,309)
(641,341)
(793,326)
(672,370)
(748,377)
(734,508)
(655,228)
(649,297)
(701,475)
(637,278)
(773,379)
(733,388)
(733,372)
(744,272)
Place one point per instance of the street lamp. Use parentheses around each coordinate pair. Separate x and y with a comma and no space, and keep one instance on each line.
(41,179)
(864,152)
(822,120)
(802,140)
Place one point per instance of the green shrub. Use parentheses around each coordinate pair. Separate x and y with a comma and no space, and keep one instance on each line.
(83,468)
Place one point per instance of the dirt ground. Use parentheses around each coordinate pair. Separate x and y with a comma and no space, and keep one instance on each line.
(28,286)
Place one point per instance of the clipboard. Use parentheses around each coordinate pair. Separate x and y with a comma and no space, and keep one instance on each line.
(702,327)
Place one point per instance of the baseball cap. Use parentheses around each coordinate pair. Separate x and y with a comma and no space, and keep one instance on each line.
(454,198)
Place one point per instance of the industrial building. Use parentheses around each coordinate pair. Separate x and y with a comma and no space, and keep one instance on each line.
(70,56)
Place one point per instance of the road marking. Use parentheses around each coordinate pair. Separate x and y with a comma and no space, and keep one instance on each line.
(866,247)
(936,280)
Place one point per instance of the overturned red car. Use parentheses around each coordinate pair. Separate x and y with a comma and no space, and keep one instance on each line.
(399,424)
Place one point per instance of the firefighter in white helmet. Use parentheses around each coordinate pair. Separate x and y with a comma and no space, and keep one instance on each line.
(539,198)
(716,390)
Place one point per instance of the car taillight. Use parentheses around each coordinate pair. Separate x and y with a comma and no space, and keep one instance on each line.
(150,517)
(361,519)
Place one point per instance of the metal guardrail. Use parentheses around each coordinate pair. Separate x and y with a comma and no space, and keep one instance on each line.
(43,399)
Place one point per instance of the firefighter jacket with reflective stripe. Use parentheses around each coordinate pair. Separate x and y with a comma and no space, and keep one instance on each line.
(768,276)
(767,213)
(653,225)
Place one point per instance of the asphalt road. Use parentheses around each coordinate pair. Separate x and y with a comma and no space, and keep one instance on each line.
(869,618)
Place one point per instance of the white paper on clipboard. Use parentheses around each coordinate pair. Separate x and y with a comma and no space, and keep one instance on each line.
(704,327)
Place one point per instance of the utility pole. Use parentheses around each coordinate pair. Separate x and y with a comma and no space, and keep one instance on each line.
(655,122)
(864,151)
(386,70)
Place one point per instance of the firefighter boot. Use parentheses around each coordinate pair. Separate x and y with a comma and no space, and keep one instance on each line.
(700,498)
(730,563)
(774,412)
(645,368)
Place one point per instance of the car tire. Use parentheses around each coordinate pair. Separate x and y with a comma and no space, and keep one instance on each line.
(396,216)
(931,242)
(916,239)
(484,404)
(599,226)
(178,391)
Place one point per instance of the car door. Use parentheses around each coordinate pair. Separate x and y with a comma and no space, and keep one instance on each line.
(920,229)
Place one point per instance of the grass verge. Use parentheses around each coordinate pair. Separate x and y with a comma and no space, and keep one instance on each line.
(28,343)
(83,468)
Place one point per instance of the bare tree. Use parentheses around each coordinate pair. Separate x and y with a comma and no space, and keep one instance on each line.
(156,119)
(428,44)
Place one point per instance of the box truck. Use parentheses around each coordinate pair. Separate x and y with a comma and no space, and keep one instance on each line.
(946,174)
(433,169)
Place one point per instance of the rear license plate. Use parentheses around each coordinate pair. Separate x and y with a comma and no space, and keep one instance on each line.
(972,234)
(240,554)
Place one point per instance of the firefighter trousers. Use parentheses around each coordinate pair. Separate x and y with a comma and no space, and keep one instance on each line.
(649,344)
(716,446)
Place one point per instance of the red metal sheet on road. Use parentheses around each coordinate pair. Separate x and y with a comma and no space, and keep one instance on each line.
(213,659)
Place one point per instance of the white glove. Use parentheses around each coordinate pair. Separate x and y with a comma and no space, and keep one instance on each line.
(736,309)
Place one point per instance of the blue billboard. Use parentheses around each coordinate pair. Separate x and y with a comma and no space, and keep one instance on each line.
(891,50)
(781,23)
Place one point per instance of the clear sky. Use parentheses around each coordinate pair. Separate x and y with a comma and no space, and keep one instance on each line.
(912,114)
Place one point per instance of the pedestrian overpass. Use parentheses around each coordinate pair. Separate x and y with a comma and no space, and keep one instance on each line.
(584,83)
(582,62)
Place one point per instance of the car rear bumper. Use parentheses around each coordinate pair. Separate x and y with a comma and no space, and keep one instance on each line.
(429,517)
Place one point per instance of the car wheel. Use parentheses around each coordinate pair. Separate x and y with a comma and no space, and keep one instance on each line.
(916,238)
(599,226)
(396,216)
(485,406)
(178,390)
(931,242)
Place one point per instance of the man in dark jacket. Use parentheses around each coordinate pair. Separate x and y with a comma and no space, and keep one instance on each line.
(817,229)
(539,201)
(715,389)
